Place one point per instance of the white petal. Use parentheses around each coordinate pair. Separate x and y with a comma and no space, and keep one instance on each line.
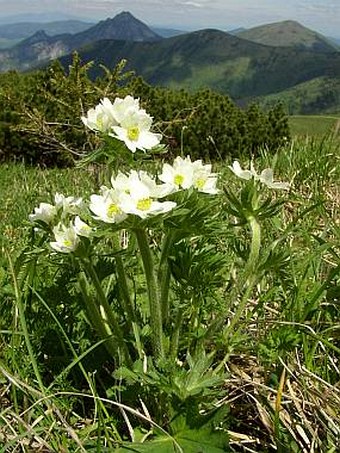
(148,140)
(278,185)
(45,212)
(81,228)
(66,239)
(266,177)
(237,170)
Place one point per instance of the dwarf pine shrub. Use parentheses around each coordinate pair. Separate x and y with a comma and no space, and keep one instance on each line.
(40,118)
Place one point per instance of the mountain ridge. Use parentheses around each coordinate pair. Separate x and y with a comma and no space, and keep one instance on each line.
(124,26)
(288,33)
(215,59)
(208,58)
(23,30)
(39,47)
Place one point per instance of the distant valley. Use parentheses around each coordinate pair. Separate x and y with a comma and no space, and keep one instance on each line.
(272,60)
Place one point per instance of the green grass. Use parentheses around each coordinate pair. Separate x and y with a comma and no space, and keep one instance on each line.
(315,125)
(23,187)
(216,76)
(57,390)
(320,95)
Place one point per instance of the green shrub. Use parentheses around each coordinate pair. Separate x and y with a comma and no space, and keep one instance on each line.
(40,120)
(210,125)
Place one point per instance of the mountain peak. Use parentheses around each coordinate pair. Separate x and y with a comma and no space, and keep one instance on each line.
(288,33)
(38,36)
(125,15)
(124,26)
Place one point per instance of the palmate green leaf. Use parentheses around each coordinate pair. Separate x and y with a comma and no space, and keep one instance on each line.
(197,213)
(199,379)
(248,204)
(201,440)
(197,266)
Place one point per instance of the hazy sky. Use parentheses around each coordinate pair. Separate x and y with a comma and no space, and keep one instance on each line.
(320,15)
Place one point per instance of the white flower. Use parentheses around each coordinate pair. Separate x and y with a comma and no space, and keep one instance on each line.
(179,175)
(81,228)
(69,205)
(121,182)
(66,239)
(106,207)
(156,190)
(203,179)
(101,118)
(134,131)
(123,107)
(243,174)
(45,212)
(140,197)
(124,120)
(184,173)
(266,176)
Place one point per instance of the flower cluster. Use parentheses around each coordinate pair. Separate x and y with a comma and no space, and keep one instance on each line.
(138,193)
(64,215)
(184,174)
(266,177)
(63,206)
(135,193)
(124,120)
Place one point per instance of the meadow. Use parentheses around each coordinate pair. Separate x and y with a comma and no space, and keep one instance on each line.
(243,358)
(315,125)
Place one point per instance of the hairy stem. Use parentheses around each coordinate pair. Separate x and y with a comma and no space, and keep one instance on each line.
(107,319)
(250,269)
(126,300)
(255,245)
(164,274)
(175,334)
(251,278)
(153,293)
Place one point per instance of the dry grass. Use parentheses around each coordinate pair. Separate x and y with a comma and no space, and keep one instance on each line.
(303,408)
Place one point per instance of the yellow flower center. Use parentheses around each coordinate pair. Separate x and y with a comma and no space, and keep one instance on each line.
(133,133)
(100,123)
(178,180)
(200,183)
(144,204)
(113,209)
(67,243)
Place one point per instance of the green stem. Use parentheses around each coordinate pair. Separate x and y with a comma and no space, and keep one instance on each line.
(106,318)
(153,293)
(194,319)
(250,269)
(95,318)
(251,278)
(242,305)
(255,230)
(126,300)
(164,274)
(175,335)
